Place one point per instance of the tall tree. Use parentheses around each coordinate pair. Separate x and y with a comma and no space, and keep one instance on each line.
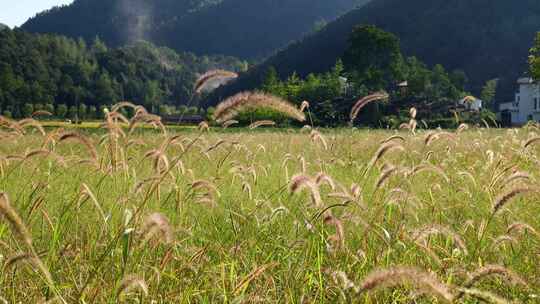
(534,58)
(104,89)
(373,57)
(489,91)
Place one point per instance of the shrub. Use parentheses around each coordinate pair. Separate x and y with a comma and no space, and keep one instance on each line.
(92,112)
(27,109)
(72,113)
(49,107)
(61,110)
(82,111)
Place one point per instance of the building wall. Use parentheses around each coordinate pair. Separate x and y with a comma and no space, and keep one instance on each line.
(509,107)
(528,101)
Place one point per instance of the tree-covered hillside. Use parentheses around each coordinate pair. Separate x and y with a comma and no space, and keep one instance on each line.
(242,28)
(373,62)
(48,70)
(251,29)
(3,26)
(116,22)
(486,38)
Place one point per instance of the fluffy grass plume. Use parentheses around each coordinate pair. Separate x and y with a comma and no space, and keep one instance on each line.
(301,181)
(483,295)
(213,75)
(261,123)
(361,103)
(229,123)
(507,196)
(157,225)
(132,282)
(11,216)
(18,227)
(490,270)
(41,113)
(407,276)
(232,106)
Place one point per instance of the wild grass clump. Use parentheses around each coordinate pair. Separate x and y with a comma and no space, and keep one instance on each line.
(232,106)
(213,75)
(362,102)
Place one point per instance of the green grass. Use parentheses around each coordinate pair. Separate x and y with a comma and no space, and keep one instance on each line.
(243,237)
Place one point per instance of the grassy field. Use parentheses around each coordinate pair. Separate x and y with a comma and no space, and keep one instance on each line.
(290,216)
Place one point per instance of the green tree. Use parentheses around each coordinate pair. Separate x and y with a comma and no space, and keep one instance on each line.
(164,110)
(534,58)
(98,46)
(104,89)
(489,91)
(27,109)
(271,83)
(459,79)
(92,112)
(72,113)
(49,107)
(61,110)
(373,57)
(210,112)
(82,111)
(152,95)
(418,77)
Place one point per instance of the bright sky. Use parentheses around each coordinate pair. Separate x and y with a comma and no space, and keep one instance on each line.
(16,12)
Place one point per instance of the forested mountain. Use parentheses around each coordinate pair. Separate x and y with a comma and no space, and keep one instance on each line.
(248,28)
(241,28)
(3,26)
(49,70)
(485,38)
(116,22)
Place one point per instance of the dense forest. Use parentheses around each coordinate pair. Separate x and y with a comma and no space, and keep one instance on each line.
(3,26)
(59,74)
(242,28)
(486,38)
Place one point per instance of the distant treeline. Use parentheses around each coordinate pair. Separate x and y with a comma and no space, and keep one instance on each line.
(60,74)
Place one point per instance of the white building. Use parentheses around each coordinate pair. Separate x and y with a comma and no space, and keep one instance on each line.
(526,104)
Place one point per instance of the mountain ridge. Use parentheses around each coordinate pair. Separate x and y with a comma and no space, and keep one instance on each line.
(485,38)
(241,28)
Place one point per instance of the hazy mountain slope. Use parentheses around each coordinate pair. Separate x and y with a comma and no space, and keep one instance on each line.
(486,38)
(243,28)
(115,21)
(247,28)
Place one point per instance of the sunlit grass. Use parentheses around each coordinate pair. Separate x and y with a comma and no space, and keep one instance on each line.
(210,217)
